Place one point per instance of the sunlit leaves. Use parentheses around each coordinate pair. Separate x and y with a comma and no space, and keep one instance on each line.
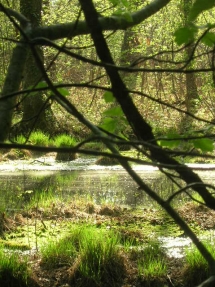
(63,91)
(109,124)
(172,140)
(123,10)
(41,85)
(204,144)
(108,97)
(118,2)
(199,6)
(115,111)
(113,118)
(185,35)
(209,39)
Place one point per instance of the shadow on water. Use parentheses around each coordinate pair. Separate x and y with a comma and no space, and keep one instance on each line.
(100,186)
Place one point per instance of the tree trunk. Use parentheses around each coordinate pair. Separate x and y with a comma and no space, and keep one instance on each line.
(191,87)
(128,56)
(37,113)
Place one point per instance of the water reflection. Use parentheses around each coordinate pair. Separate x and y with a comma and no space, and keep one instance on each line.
(99,186)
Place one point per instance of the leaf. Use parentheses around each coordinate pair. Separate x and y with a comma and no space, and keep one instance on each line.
(125,3)
(199,6)
(115,111)
(171,140)
(127,16)
(63,91)
(184,35)
(108,97)
(209,39)
(41,84)
(109,124)
(204,144)
(115,2)
(169,143)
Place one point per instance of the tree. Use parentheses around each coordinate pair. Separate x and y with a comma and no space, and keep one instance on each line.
(36,110)
(33,37)
(191,87)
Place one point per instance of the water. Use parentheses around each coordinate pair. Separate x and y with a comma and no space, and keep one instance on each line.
(81,178)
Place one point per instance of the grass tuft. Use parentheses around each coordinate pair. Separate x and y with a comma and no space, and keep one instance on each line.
(92,253)
(64,140)
(152,263)
(197,269)
(39,138)
(13,270)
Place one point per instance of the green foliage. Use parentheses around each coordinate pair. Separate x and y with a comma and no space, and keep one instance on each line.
(108,97)
(197,268)
(63,91)
(98,258)
(208,39)
(13,267)
(39,138)
(152,262)
(204,144)
(185,35)
(20,139)
(174,140)
(199,6)
(64,140)
(115,111)
(113,120)
(58,253)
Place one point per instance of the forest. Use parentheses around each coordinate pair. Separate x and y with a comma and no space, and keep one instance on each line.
(129,82)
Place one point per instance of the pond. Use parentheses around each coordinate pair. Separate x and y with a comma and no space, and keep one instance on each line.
(82,179)
(19,180)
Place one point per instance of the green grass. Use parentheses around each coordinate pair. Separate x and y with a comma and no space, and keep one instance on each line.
(197,269)
(20,139)
(64,140)
(99,253)
(94,251)
(39,138)
(58,253)
(12,267)
(41,198)
(152,263)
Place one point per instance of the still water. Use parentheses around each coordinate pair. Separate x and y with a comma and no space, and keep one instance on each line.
(21,181)
(100,185)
